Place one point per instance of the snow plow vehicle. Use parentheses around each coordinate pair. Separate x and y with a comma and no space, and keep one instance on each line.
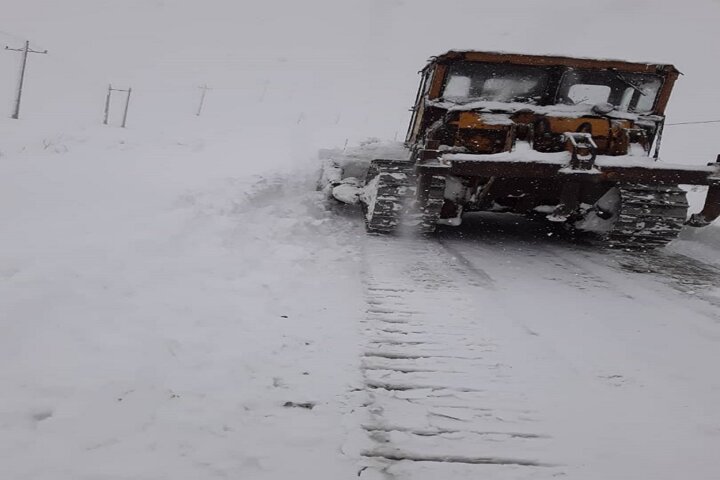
(573,140)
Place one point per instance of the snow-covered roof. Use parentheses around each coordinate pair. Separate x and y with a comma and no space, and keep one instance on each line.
(566,111)
(553,60)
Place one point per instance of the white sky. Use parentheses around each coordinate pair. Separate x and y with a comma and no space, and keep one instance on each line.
(348,62)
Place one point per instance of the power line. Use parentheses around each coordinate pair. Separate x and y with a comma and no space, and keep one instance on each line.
(692,123)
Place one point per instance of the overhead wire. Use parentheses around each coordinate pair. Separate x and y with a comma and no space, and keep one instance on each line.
(692,123)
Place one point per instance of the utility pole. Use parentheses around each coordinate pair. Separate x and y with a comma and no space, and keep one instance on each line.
(127,105)
(25,50)
(204,89)
(107,104)
(264,90)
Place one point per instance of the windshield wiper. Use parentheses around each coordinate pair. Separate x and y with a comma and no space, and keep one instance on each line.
(627,82)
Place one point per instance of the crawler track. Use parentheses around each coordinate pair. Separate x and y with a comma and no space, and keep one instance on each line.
(388,187)
(391,202)
(650,217)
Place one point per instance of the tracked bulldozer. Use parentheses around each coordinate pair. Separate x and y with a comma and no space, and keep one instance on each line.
(572,140)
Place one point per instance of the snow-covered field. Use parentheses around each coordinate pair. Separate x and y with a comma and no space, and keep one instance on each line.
(156,322)
(177,302)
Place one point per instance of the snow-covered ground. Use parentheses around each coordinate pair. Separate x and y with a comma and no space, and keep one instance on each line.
(177,302)
(161,304)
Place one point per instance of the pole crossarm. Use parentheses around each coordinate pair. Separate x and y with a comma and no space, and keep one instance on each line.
(30,50)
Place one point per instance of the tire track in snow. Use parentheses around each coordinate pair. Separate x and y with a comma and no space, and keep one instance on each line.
(439,399)
(578,265)
(506,334)
(627,275)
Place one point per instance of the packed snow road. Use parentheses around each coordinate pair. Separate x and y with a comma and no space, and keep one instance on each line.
(220,323)
(499,350)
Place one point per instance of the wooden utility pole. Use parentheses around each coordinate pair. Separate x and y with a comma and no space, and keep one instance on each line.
(107,104)
(127,105)
(264,90)
(204,89)
(25,50)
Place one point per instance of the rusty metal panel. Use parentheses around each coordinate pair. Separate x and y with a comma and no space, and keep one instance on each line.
(551,60)
(478,120)
(437,80)
(665,91)
(597,126)
(631,174)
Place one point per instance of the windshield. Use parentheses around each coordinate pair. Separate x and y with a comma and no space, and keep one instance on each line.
(627,92)
(468,81)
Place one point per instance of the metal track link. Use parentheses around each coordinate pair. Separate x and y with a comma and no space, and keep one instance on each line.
(650,216)
(389,187)
(432,206)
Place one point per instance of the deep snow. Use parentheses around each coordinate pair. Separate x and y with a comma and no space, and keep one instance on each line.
(155,323)
(174,297)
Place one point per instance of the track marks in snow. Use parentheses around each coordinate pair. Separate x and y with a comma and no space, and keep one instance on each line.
(527,246)
(683,273)
(392,454)
(436,390)
(471,272)
(477,333)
